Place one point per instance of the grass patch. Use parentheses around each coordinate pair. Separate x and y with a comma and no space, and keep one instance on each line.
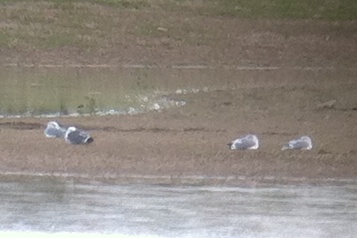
(131,4)
(322,9)
(59,40)
(5,39)
(267,9)
(66,4)
(106,24)
(292,9)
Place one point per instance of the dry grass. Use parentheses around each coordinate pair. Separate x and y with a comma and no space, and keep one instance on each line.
(98,24)
(165,32)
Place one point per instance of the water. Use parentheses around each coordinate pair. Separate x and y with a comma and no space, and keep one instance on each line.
(77,91)
(38,206)
(47,205)
(73,91)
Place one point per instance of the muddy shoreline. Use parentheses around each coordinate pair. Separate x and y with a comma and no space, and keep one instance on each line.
(191,140)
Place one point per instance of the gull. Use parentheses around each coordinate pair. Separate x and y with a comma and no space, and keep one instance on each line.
(302,143)
(54,130)
(76,136)
(248,142)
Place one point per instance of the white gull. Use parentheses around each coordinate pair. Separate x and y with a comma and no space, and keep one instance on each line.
(54,130)
(302,143)
(248,142)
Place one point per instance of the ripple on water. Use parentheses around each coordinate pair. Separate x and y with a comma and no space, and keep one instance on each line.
(57,205)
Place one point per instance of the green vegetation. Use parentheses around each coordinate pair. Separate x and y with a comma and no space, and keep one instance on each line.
(292,9)
(33,91)
(95,24)
(323,9)
(105,28)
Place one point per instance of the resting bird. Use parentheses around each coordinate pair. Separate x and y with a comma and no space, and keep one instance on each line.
(54,130)
(303,143)
(76,136)
(248,142)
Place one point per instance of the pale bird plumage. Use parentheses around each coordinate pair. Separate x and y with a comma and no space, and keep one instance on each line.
(248,142)
(76,136)
(302,143)
(54,130)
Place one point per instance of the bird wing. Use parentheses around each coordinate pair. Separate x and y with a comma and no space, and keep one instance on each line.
(54,132)
(298,144)
(76,137)
(243,143)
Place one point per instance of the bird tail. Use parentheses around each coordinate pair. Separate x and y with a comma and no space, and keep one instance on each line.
(89,140)
(285,147)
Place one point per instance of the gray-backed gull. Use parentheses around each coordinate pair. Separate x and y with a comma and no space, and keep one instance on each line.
(54,129)
(248,142)
(303,143)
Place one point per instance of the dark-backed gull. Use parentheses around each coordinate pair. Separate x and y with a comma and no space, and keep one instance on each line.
(77,136)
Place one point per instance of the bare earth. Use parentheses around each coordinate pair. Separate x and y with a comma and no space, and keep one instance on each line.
(192,140)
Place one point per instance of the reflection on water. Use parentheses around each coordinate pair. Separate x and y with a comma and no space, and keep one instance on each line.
(77,91)
(42,91)
(45,204)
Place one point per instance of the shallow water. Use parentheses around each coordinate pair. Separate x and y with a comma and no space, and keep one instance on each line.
(49,205)
(76,91)
(62,91)
(73,91)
